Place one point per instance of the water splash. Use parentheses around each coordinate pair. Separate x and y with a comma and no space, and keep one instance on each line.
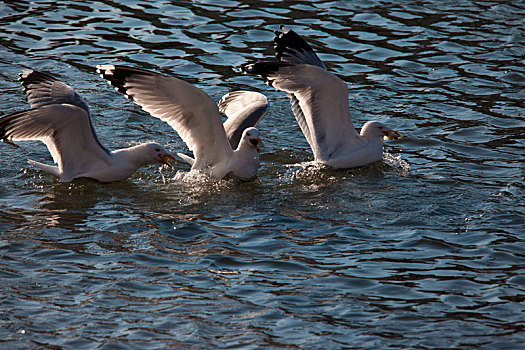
(192,177)
(162,175)
(199,183)
(396,163)
(319,173)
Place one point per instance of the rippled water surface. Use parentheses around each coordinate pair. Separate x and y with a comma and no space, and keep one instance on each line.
(424,250)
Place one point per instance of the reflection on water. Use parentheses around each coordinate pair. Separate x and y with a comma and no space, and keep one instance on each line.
(423,250)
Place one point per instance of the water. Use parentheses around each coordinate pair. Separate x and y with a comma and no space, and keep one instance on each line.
(424,250)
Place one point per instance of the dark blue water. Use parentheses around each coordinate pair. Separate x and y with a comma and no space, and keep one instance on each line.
(424,250)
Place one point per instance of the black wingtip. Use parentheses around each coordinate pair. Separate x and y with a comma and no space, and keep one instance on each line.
(291,47)
(114,76)
(262,68)
(247,68)
(117,75)
(265,69)
(30,76)
(287,39)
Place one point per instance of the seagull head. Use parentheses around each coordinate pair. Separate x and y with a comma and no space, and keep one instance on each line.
(157,154)
(251,135)
(379,130)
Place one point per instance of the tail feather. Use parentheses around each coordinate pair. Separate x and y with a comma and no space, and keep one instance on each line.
(186,159)
(53,170)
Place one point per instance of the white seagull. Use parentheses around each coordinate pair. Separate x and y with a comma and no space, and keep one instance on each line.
(60,118)
(219,150)
(319,101)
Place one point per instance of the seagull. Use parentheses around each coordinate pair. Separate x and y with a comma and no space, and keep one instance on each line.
(319,101)
(60,118)
(231,149)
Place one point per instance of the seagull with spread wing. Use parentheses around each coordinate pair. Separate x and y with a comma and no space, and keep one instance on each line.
(319,101)
(219,150)
(60,118)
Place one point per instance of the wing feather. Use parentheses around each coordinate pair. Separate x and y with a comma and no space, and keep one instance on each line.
(187,109)
(320,101)
(244,109)
(42,89)
(300,118)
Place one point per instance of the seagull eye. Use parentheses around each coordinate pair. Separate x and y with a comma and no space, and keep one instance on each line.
(157,149)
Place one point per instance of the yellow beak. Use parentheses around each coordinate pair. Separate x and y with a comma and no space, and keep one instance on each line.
(168,159)
(392,135)
(255,143)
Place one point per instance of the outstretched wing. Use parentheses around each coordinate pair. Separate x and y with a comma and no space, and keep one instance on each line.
(290,47)
(244,109)
(66,131)
(322,98)
(192,113)
(42,89)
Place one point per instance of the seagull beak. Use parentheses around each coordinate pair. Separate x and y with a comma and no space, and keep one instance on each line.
(392,135)
(255,143)
(168,159)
